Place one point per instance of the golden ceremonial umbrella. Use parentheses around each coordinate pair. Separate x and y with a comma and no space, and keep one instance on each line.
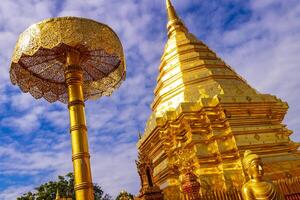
(70,59)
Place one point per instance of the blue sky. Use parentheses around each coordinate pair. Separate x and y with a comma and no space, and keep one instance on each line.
(260,39)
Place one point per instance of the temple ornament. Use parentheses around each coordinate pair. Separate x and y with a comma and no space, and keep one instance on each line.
(256,187)
(149,190)
(191,186)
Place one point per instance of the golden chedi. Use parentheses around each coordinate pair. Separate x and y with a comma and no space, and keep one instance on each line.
(205,116)
(57,197)
(124,196)
(256,187)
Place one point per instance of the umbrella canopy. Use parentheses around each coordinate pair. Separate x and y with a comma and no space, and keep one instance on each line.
(39,58)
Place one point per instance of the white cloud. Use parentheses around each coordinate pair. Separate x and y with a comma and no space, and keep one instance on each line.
(58,118)
(266,53)
(115,168)
(26,123)
(13,192)
(22,101)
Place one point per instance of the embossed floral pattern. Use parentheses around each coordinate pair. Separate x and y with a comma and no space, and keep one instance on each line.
(39,58)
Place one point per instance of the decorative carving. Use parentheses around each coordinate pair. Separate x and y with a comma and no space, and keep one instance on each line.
(257,137)
(149,190)
(191,186)
(39,58)
(184,159)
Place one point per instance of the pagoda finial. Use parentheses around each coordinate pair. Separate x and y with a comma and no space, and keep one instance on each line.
(174,22)
(172,15)
(57,195)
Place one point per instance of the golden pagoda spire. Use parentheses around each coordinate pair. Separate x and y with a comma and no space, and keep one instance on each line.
(57,195)
(190,71)
(172,15)
(174,22)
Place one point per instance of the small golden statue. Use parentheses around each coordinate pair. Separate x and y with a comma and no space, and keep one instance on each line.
(256,187)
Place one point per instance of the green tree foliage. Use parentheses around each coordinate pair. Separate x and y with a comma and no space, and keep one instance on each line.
(125,196)
(64,185)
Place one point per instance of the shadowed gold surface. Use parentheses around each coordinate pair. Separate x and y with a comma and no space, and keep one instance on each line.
(39,58)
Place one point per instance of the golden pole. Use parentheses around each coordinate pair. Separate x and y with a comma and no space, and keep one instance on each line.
(80,150)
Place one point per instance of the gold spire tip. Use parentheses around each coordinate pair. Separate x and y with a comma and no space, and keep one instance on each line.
(172,15)
(57,197)
(168,3)
(174,22)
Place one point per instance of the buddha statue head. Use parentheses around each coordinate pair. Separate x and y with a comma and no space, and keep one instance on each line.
(253,165)
(256,187)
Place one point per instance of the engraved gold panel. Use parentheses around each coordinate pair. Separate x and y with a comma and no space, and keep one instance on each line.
(39,58)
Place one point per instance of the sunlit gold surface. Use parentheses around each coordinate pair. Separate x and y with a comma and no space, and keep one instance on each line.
(71,60)
(38,59)
(256,187)
(204,116)
(57,197)
(83,184)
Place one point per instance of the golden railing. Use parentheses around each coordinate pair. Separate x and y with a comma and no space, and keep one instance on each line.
(217,195)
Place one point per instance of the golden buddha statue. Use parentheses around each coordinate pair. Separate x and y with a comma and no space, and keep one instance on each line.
(256,187)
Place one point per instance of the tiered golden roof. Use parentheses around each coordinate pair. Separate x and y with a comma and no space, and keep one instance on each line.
(204,116)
